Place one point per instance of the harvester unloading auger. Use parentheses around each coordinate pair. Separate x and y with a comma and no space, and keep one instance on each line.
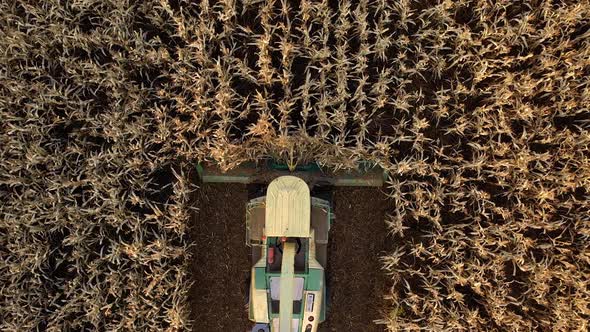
(288,218)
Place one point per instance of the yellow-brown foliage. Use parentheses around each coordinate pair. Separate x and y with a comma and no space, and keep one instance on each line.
(479,110)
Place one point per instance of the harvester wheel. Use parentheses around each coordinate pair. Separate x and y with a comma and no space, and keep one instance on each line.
(248,280)
(256,190)
(327,297)
(323,192)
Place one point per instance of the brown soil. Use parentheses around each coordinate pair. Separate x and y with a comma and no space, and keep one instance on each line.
(357,238)
(221,261)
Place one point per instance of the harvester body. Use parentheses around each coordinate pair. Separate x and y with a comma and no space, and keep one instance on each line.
(288,232)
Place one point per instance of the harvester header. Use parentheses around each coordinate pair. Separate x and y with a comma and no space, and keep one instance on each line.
(366,174)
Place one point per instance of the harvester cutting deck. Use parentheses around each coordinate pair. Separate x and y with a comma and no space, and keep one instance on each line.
(288,218)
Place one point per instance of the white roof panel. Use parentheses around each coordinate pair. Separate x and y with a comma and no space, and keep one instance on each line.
(288,207)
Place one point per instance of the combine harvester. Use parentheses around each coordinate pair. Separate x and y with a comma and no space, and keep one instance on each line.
(288,218)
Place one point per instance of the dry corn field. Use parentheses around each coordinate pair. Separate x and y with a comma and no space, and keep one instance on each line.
(478,110)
